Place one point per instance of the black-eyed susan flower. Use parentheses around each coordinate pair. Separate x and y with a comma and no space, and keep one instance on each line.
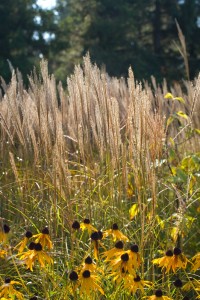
(117,250)
(134,256)
(165,261)
(95,241)
(196,262)
(158,296)
(89,265)
(89,284)
(172,260)
(44,239)
(7,290)
(86,225)
(121,264)
(132,284)
(179,260)
(115,233)
(4,231)
(22,245)
(34,253)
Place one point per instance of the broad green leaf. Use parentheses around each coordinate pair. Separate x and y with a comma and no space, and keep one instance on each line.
(169,96)
(133,211)
(180,99)
(182,115)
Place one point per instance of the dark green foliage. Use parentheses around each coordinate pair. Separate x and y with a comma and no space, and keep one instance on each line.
(21,35)
(118,34)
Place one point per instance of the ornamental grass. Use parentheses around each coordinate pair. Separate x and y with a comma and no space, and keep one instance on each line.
(100,187)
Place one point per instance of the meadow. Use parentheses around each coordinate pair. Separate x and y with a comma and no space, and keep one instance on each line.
(99,187)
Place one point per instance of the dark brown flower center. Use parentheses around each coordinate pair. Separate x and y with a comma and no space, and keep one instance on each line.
(86,221)
(45,230)
(177,251)
(158,293)
(38,247)
(119,245)
(95,236)
(88,260)
(7,280)
(125,257)
(31,246)
(178,283)
(28,234)
(75,225)
(73,276)
(134,248)
(137,278)
(6,228)
(86,274)
(114,227)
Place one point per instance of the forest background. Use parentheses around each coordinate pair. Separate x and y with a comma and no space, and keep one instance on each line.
(117,34)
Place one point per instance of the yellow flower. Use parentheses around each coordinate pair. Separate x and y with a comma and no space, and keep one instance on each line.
(34,253)
(115,233)
(8,291)
(44,239)
(4,233)
(119,276)
(132,284)
(158,296)
(134,256)
(191,284)
(122,264)
(114,251)
(95,239)
(89,265)
(85,225)
(172,260)
(3,253)
(21,246)
(89,284)
(179,260)
(196,260)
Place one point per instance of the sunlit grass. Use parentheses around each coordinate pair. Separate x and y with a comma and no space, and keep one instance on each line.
(100,189)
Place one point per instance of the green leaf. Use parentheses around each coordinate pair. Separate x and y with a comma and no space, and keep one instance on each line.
(182,115)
